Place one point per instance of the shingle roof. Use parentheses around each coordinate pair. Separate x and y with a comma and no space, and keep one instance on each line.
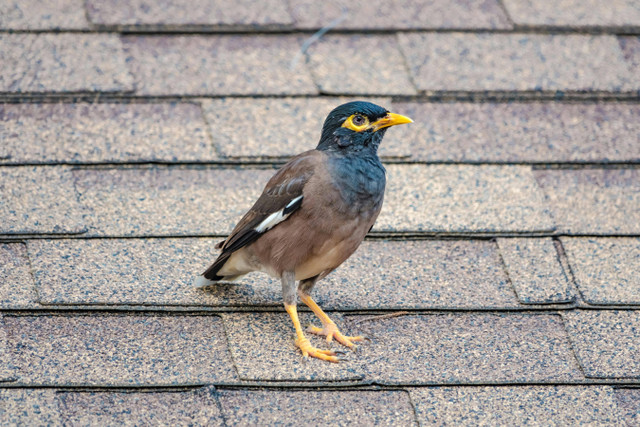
(500,284)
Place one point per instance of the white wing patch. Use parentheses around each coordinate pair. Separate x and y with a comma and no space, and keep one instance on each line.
(276,218)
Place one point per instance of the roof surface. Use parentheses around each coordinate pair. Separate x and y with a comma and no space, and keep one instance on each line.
(500,285)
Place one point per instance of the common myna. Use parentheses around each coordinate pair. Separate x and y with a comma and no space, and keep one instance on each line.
(312,215)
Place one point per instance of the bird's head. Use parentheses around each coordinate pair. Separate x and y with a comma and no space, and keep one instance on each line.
(357,126)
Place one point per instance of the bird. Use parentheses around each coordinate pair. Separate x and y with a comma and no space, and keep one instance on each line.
(312,215)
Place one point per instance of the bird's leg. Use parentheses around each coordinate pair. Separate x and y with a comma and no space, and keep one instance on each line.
(289,294)
(329,328)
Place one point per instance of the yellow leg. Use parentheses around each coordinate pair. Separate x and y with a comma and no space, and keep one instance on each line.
(329,328)
(303,343)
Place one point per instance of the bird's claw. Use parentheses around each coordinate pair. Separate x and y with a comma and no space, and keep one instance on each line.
(330,330)
(310,351)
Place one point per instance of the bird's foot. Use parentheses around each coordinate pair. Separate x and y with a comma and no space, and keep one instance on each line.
(330,330)
(308,350)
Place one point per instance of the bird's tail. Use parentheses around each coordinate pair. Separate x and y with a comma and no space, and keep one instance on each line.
(211,276)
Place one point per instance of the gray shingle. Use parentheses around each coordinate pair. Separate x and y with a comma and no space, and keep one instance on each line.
(43,15)
(631,51)
(62,63)
(404,14)
(17,288)
(607,199)
(382,274)
(463,199)
(523,405)
(629,404)
(607,343)
(277,127)
(38,200)
(186,14)
(167,201)
(535,270)
(335,408)
(77,133)
(198,407)
(522,62)
(362,65)
(605,269)
(217,65)
(568,13)
(28,407)
(466,348)
(263,349)
(118,350)
(7,371)
(521,132)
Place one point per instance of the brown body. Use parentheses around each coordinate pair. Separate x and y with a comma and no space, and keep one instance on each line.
(337,228)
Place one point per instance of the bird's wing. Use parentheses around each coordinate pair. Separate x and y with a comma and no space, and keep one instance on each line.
(280,198)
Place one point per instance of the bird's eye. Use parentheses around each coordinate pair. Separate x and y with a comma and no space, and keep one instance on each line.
(359,120)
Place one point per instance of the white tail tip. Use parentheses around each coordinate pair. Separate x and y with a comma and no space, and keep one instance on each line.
(202,281)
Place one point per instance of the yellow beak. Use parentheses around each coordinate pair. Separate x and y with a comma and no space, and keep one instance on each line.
(390,119)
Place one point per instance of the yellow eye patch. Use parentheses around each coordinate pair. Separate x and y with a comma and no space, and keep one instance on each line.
(356,122)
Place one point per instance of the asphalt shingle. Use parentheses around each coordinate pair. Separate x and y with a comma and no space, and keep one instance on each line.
(631,51)
(521,132)
(7,372)
(189,14)
(62,63)
(629,404)
(336,408)
(263,349)
(605,269)
(79,133)
(463,199)
(535,270)
(362,65)
(217,65)
(606,342)
(28,407)
(524,405)
(17,289)
(516,62)
(162,201)
(42,15)
(197,407)
(403,14)
(574,14)
(277,127)
(607,199)
(38,200)
(466,348)
(117,350)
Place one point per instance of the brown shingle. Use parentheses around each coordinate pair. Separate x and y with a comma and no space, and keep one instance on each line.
(166,408)
(463,199)
(607,199)
(280,127)
(263,349)
(575,14)
(516,62)
(535,270)
(167,201)
(189,14)
(118,349)
(403,14)
(523,405)
(28,407)
(77,133)
(605,269)
(62,63)
(521,132)
(335,408)
(17,288)
(217,65)
(362,65)
(43,15)
(467,348)
(38,200)
(607,343)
